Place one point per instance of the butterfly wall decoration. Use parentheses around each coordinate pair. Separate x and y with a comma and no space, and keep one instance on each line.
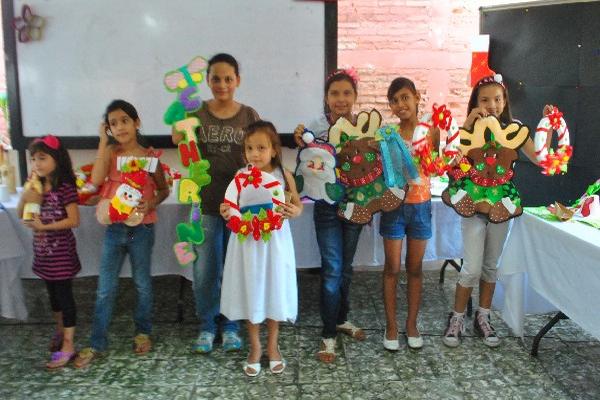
(28,25)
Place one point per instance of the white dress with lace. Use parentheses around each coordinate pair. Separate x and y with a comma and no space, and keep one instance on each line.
(259,279)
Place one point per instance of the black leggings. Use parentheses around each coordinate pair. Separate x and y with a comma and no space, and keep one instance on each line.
(61,300)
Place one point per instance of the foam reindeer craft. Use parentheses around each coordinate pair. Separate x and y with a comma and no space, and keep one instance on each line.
(361,170)
(482,181)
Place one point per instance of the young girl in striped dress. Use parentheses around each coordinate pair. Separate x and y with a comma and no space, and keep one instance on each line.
(55,254)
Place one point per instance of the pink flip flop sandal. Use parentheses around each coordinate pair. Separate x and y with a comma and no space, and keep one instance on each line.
(59,359)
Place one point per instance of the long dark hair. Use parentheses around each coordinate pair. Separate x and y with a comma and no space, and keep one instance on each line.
(337,76)
(401,83)
(64,168)
(128,109)
(268,128)
(506,116)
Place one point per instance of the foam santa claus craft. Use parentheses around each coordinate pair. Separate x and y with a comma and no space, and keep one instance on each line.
(482,180)
(255,198)
(361,171)
(315,174)
(121,208)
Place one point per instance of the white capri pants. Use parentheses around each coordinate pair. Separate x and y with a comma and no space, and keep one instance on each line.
(483,242)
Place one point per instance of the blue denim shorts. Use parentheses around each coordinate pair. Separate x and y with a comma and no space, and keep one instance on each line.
(412,220)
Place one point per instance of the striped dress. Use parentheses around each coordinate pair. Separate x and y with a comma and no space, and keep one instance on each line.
(55,252)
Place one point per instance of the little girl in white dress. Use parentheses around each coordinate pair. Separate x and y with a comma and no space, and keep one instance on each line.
(259,277)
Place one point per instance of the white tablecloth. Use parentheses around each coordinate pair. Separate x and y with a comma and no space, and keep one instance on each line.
(446,241)
(561,262)
(12,258)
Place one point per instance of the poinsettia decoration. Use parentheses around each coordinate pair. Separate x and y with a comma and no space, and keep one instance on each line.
(441,117)
(259,226)
(431,162)
(556,161)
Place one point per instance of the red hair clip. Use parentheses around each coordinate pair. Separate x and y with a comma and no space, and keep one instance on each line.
(50,141)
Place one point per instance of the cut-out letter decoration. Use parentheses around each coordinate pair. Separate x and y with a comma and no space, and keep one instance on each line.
(184,81)
(180,115)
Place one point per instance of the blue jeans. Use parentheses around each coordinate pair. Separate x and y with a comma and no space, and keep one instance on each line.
(337,241)
(208,274)
(410,219)
(119,240)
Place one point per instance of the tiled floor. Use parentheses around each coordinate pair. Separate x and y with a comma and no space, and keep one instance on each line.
(568,366)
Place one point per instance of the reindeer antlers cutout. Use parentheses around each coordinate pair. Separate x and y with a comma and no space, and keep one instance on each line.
(367,124)
(512,136)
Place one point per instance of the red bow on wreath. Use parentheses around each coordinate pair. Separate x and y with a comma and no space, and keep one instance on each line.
(254,177)
(441,117)
(554,117)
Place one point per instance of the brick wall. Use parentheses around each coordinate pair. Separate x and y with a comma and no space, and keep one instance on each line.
(425,40)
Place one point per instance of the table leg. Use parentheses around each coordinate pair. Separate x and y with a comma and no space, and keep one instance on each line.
(180,299)
(544,330)
(470,307)
(457,268)
(445,264)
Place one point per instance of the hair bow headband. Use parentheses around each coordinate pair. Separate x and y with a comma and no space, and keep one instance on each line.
(50,141)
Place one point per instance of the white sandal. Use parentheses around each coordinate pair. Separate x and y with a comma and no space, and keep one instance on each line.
(274,365)
(252,366)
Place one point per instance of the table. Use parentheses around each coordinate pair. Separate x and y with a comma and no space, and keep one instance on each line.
(445,244)
(561,262)
(12,258)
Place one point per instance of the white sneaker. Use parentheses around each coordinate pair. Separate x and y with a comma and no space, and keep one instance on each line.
(390,344)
